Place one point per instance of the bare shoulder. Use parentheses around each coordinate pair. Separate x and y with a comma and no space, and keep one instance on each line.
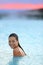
(21,52)
(18,52)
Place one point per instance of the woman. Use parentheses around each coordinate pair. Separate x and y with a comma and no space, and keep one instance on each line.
(14,44)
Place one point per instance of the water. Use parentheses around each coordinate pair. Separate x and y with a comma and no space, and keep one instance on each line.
(30,34)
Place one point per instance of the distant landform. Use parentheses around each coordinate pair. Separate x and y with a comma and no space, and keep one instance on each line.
(35,14)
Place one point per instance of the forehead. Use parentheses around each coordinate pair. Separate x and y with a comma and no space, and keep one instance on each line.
(12,38)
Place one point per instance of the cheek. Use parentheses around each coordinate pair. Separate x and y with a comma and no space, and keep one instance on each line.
(16,44)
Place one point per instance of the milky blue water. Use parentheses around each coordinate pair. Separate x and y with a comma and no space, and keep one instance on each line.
(30,32)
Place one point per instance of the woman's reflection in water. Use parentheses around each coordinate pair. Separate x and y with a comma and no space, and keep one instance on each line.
(15,61)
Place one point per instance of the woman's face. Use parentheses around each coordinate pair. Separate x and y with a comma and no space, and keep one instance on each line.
(13,42)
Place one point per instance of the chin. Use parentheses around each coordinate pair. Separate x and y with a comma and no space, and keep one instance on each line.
(12,47)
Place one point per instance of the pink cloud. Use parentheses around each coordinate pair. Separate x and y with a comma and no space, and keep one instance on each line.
(20,6)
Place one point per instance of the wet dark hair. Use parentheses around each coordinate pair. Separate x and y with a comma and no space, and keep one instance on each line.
(16,36)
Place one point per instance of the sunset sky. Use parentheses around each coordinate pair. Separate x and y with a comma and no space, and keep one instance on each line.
(21,4)
(22,1)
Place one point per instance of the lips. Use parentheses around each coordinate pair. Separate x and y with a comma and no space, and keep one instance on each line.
(12,46)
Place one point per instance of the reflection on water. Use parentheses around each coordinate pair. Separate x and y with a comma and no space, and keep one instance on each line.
(15,60)
(19,60)
(35,60)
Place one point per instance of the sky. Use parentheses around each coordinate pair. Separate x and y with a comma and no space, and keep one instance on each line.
(21,4)
(22,1)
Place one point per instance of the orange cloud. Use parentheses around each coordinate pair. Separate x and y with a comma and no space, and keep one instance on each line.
(20,6)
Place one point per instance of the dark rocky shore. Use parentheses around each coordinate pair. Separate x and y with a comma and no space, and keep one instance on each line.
(35,14)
